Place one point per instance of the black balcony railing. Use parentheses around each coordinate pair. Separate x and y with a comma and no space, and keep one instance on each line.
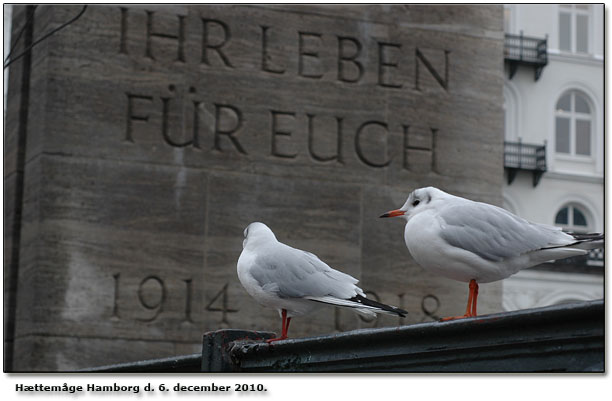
(596,257)
(524,156)
(519,49)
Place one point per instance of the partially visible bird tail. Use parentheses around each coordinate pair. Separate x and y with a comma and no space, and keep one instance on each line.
(381,308)
(362,305)
(588,241)
(583,243)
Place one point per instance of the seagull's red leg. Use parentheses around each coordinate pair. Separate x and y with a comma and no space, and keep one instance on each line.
(470,311)
(474,284)
(285,328)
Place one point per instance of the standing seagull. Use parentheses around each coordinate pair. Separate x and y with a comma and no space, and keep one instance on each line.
(479,243)
(295,282)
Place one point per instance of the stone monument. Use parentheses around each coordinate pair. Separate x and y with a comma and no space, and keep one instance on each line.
(141,141)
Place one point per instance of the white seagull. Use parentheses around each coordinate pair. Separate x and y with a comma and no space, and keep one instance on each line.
(296,282)
(479,243)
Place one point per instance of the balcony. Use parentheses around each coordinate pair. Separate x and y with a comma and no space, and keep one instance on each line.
(596,257)
(519,49)
(524,156)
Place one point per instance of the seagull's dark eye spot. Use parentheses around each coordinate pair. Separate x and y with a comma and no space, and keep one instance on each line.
(416,202)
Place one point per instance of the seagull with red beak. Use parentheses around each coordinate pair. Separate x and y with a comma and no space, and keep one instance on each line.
(476,242)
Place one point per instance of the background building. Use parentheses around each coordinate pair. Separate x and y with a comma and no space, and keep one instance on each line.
(554,130)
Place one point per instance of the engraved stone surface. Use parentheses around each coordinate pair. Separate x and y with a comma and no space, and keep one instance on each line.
(156,134)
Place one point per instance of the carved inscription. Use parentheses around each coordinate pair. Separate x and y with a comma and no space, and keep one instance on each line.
(179,37)
(228,120)
(420,58)
(350,69)
(387,64)
(370,138)
(430,305)
(214,43)
(116,297)
(378,128)
(337,156)
(132,115)
(279,120)
(309,64)
(307,47)
(266,58)
(123,36)
(186,119)
(152,298)
(188,296)
(151,295)
(420,145)
(221,298)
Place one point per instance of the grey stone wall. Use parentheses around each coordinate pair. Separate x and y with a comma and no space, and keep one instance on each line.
(155,134)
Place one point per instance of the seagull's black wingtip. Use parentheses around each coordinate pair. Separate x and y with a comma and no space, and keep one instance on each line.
(387,308)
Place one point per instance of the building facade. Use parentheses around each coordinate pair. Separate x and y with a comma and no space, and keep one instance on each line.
(554,117)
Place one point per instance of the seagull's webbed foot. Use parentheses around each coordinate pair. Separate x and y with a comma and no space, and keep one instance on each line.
(271,340)
(446,319)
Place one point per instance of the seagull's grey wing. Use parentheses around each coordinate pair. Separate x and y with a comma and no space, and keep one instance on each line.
(292,273)
(494,233)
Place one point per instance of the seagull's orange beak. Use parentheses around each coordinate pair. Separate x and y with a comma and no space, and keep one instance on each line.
(393,213)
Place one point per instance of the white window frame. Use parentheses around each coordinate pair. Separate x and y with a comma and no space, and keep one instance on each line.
(511,112)
(574,12)
(570,226)
(573,115)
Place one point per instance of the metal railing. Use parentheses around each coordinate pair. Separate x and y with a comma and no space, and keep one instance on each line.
(520,49)
(524,156)
(595,257)
(525,49)
(560,338)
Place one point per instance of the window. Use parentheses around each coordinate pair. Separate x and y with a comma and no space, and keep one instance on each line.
(510,114)
(574,26)
(572,218)
(508,131)
(573,125)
